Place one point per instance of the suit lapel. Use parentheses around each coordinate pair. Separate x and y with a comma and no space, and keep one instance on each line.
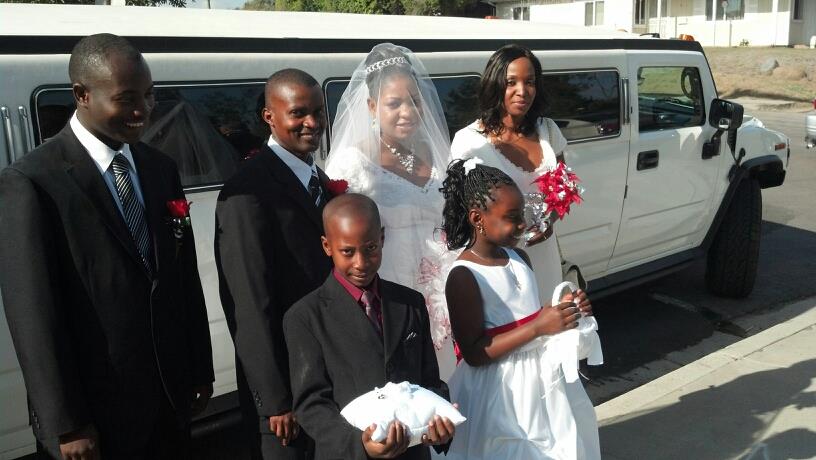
(348,314)
(395,318)
(290,185)
(149,181)
(86,175)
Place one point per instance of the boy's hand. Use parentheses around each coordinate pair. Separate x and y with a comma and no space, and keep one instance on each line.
(394,445)
(440,431)
(285,427)
(581,299)
(559,318)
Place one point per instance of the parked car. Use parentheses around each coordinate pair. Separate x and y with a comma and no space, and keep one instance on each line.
(671,173)
(810,127)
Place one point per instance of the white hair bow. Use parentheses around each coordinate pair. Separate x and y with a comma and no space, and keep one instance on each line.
(470,164)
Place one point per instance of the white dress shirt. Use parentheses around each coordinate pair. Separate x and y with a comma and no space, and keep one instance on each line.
(102,155)
(302,170)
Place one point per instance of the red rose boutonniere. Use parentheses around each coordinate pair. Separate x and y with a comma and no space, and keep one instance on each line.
(179,216)
(337,187)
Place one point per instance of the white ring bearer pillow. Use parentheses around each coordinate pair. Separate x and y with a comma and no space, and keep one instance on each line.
(411,404)
(579,343)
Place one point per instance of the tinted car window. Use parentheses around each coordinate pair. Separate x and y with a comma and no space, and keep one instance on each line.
(207,129)
(586,104)
(458,95)
(669,98)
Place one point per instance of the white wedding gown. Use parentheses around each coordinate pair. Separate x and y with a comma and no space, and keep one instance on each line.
(414,254)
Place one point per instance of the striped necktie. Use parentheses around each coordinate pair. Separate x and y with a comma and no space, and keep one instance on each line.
(131,209)
(314,185)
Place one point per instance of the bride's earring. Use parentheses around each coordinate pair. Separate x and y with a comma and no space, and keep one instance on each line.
(375,126)
(480,228)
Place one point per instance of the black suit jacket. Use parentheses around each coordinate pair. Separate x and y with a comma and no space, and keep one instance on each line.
(269,255)
(99,340)
(336,355)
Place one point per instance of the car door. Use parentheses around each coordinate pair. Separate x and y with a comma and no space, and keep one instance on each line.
(587,104)
(669,185)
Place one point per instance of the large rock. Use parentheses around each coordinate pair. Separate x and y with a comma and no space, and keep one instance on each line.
(767,67)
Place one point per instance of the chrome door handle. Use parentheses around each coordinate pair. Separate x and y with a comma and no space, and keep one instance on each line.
(24,126)
(4,113)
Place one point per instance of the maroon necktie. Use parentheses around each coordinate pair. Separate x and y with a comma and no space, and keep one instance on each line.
(373,310)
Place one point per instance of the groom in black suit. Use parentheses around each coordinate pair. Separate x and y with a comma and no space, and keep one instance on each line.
(269,255)
(102,294)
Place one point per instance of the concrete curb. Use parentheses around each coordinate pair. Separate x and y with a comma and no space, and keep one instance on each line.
(629,403)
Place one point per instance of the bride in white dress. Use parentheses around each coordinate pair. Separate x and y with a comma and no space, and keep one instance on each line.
(390,142)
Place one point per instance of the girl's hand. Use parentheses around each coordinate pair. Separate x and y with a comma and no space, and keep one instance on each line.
(552,320)
(581,299)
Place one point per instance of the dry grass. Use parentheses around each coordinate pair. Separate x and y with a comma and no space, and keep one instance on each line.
(736,71)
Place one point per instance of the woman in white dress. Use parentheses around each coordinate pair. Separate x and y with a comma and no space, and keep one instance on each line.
(390,142)
(513,136)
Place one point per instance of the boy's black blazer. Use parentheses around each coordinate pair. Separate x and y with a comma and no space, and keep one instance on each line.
(269,255)
(98,339)
(336,355)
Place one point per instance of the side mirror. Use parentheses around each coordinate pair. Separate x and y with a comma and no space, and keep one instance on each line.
(725,115)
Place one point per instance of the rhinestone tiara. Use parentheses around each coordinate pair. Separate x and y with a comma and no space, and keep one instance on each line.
(379,65)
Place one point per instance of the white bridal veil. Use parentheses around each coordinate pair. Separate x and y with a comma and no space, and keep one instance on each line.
(390,142)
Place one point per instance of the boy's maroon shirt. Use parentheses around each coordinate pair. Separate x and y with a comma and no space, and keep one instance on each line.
(357,293)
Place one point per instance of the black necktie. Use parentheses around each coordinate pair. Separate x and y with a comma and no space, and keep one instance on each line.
(314,185)
(132,209)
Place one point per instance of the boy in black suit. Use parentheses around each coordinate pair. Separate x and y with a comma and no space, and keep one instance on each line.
(355,332)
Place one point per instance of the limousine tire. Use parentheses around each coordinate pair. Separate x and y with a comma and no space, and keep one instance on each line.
(733,256)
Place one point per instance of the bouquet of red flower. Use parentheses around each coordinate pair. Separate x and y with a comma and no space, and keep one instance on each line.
(558,190)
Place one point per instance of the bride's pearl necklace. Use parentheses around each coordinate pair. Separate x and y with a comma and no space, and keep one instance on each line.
(407,160)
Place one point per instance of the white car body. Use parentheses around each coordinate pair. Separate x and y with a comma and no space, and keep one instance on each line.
(635,224)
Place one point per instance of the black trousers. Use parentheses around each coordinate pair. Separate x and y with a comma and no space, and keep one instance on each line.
(168,440)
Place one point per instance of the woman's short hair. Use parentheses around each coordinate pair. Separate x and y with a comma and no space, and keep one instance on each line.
(494,84)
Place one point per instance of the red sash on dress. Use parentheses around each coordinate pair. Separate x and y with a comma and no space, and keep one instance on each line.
(494,331)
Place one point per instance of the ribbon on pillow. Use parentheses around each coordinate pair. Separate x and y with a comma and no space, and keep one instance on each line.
(569,347)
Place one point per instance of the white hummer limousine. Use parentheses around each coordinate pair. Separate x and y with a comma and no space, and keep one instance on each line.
(672,173)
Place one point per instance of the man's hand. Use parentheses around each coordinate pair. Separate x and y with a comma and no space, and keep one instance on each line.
(285,427)
(440,431)
(394,445)
(200,397)
(82,444)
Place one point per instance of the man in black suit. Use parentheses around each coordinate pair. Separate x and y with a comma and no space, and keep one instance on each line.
(101,292)
(356,332)
(268,254)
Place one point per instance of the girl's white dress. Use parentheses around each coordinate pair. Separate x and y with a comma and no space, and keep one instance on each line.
(520,407)
(414,253)
(469,143)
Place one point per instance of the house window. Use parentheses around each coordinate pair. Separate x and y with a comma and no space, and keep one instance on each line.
(521,13)
(640,11)
(669,98)
(726,9)
(593,13)
(797,9)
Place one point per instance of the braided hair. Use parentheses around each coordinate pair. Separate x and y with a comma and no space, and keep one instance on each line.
(463,191)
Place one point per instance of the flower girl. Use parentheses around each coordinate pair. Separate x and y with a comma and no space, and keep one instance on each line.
(511,386)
